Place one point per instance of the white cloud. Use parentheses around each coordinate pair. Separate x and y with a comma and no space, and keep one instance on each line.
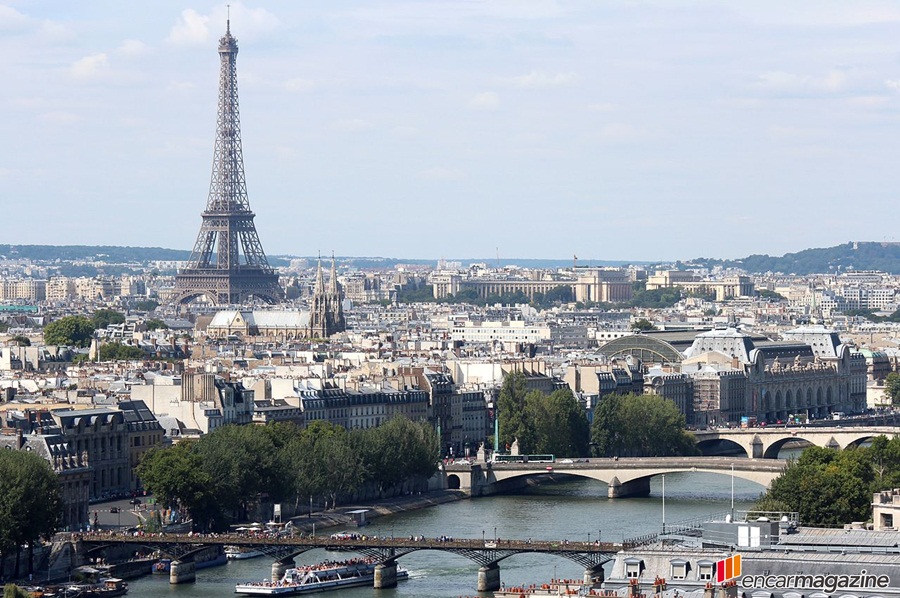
(621,132)
(486,100)
(59,118)
(300,85)
(783,83)
(12,20)
(442,173)
(190,29)
(132,47)
(602,107)
(353,125)
(90,67)
(892,84)
(180,86)
(542,80)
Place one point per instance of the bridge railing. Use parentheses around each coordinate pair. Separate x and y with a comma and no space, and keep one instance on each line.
(349,543)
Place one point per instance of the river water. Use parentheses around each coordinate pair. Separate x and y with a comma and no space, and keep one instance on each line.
(577,510)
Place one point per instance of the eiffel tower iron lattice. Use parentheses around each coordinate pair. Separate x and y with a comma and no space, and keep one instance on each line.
(227,265)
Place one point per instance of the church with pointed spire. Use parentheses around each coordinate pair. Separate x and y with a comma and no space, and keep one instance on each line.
(326,310)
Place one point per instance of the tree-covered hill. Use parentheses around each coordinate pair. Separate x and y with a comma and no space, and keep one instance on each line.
(849,256)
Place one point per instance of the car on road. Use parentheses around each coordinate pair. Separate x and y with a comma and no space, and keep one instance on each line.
(114,509)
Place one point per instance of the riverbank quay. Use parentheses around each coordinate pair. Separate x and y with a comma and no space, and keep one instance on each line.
(389,506)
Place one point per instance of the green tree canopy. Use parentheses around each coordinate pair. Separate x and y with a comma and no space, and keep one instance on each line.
(822,486)
(146,305)
(30,502)
(119,351)
(642,325)
(547,424)
(20,340)
(104,317)
(69,331)
(397,450)
(155,324)
(892,388)
(640,426)
(175,475)
(830,487)
(514,424)
(558,422)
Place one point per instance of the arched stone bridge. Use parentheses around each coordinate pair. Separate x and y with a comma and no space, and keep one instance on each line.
(767,442)
(624,477)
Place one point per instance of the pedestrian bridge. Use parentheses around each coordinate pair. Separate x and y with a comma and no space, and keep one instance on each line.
(624,477)
(486,552)
(767,442)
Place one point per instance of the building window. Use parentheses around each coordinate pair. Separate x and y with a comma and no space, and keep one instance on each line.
(633,568)
(679,569)
(706,570)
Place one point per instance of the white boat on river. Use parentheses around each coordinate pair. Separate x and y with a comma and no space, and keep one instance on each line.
(317,578)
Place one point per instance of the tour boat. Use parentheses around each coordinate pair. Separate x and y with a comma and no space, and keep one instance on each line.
(556,587)
(238,553)
(317,578)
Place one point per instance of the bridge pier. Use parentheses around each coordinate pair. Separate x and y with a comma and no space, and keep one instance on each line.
(489,578)
(636,487)
(182,572)
(594,575)
(279,568)
(385,575)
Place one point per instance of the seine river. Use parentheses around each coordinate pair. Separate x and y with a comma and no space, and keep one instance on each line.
(577,510)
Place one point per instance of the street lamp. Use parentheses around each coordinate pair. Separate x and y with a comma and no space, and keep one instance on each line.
(732,491)
(482,537)
(663,503)
(495,533)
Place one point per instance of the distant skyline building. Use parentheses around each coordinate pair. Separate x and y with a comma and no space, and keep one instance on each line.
(326,312)
(228,265)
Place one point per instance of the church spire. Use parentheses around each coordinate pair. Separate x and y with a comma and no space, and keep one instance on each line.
(333,283)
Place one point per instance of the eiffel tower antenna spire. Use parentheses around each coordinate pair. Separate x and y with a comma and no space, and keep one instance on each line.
(228,265)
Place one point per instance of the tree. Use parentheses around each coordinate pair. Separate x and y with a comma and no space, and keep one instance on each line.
(30,503)
(642,325)
(11,590)
(892,388)
(558,422)
(104,317)
(825,486)
(154,324)
(398,450)
(69,331)
(146,305)
(640,426)
(242,462)
(119,351)
(175,475)
(511,411)
(20,340)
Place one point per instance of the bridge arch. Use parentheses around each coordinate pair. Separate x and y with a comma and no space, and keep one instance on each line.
(723,443)
(453,482)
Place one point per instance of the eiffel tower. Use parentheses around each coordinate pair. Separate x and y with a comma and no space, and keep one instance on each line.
(228,265)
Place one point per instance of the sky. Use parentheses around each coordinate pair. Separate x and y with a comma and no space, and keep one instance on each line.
(610,130)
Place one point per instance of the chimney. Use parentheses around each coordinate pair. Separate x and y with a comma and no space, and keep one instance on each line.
(20,438)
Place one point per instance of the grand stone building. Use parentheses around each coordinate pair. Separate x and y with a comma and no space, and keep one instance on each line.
(811,374)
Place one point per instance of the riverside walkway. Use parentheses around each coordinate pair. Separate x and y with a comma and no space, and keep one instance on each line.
(284,548)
